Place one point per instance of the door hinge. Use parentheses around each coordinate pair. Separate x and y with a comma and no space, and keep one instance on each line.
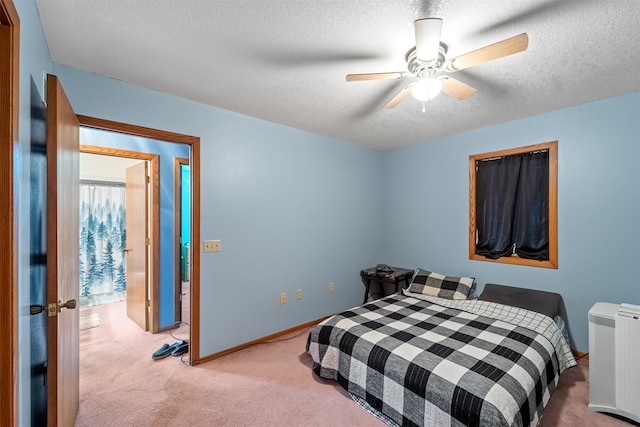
(148,303)
(147,241)
(44,374)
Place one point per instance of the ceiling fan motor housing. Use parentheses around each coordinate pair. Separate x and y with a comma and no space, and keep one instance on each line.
(418,67)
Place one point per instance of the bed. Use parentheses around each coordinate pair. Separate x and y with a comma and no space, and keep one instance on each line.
(427,356)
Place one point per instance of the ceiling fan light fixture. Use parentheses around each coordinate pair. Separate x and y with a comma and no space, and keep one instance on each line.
(426,89)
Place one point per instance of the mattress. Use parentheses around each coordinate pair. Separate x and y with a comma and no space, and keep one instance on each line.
(416,360)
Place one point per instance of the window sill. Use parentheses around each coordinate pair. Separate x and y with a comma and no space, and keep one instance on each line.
(516,260)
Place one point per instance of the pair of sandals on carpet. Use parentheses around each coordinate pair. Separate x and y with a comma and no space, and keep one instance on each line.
(178,348)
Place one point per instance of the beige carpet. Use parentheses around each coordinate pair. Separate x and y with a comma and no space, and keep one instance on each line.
(91,300)
(264,385)
(89,320)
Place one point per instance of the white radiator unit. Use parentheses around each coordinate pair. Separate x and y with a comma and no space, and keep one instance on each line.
(614,359)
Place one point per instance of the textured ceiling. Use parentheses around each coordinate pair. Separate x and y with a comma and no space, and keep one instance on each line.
(285,61)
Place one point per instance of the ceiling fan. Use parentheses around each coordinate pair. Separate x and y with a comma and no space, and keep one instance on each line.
(428,62)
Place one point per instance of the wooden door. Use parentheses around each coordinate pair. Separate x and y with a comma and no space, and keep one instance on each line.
(63,351)
(137,202)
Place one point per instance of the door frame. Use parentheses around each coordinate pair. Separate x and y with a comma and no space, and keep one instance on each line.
(153,219)
(194,149)
(177,216)
(9,117)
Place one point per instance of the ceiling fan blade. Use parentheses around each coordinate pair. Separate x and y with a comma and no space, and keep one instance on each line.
(428,32)
(398,97)
(489,53)
(377,76)
(456,88)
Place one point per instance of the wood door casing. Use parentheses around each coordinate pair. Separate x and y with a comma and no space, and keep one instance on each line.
(178,162)
(9,96)
(154,215)
(194,144)
(63,253)
(137,256)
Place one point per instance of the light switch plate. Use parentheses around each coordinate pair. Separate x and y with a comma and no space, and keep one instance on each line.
(212,245)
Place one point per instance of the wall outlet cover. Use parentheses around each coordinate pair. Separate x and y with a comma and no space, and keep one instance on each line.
(212,245)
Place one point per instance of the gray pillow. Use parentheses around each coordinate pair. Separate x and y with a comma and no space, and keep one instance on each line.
(547,303)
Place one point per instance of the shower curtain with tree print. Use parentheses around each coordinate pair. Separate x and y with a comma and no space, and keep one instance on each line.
(103,236)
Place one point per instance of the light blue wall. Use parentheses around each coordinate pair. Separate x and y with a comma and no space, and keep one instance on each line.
(167,152)
(34,63)
(293,210)
(598,205)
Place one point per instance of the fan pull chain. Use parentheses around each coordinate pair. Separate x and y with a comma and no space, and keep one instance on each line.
(423,107)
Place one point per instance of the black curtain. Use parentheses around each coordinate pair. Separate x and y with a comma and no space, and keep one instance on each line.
(512,206)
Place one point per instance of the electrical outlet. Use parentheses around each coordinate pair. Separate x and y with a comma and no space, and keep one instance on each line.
(283,298)
(212,245)
(299,294)
(331,287)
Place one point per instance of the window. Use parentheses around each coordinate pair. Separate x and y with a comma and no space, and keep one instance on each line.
(513,206)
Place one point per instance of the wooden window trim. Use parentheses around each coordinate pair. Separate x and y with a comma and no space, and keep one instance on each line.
(553,205)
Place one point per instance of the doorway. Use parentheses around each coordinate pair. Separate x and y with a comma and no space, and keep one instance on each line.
(182,215)
(103,230)
(123,236)
(159,321)
(148,240)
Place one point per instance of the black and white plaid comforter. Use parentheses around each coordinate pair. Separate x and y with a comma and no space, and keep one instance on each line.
(428,361)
